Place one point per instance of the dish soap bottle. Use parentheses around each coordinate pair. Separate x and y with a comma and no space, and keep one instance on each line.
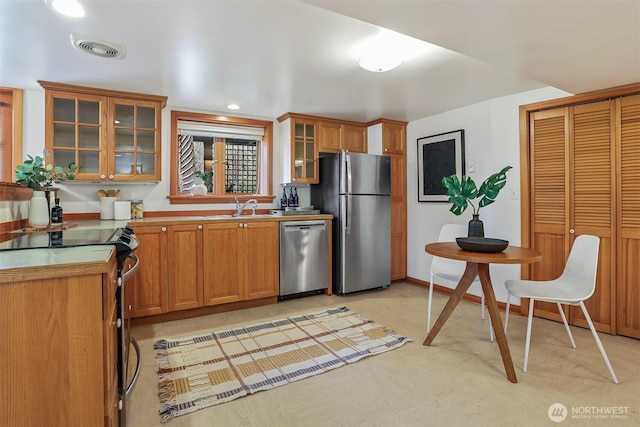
(56,213)
(283,200)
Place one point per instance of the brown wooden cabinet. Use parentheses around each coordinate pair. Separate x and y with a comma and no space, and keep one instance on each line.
(58,352)
(148,285)
(301,155)
(336,136)
(185,266)
(393,137)
(580,177)
(170,276)
(398,217)
(330,138)
(223,271)
(190,265)
(110,135)
(243,262)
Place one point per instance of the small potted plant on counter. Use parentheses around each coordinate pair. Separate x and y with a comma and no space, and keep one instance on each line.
(37,175)
(461,194)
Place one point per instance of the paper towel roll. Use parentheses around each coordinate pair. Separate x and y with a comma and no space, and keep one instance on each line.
(122,210)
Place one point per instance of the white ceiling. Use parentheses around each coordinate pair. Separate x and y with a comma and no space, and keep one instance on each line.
(271,57)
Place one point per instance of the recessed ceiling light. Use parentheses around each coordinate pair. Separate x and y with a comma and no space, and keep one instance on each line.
(71,8)
(233,107)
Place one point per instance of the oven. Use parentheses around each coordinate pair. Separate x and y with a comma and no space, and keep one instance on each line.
(127,375)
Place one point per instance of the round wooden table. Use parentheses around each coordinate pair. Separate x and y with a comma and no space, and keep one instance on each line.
(478,264)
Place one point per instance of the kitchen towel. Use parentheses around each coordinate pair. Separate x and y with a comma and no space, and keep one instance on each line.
(122,210)
(202,371)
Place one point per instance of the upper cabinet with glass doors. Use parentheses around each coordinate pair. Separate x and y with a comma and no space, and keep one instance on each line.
(300,148)
(110,135)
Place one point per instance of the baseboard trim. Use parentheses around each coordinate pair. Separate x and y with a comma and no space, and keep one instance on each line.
(467,297)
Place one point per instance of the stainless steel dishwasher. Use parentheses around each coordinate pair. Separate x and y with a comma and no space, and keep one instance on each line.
(304,258)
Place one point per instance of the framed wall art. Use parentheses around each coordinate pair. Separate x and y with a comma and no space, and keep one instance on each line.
(439,156)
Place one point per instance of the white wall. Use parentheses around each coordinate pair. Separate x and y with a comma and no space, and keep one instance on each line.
(492,141)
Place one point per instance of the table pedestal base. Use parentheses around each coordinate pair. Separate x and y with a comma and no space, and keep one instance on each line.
(481,270)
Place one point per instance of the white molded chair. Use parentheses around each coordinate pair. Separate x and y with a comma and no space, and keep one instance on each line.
(576,284)
(449,269)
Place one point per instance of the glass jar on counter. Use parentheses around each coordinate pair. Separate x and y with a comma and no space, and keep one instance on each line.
(137,209)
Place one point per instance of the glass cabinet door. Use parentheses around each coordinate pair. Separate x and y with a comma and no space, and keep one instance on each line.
(305,151)
(77,133)
(135,138)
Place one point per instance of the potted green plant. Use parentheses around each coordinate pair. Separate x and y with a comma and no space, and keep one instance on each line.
(461,194)
(37,175)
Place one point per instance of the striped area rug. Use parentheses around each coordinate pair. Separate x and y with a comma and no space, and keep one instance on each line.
(198,372)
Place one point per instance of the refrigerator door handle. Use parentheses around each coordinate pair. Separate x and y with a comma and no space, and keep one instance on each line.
(349,182)
(346,214)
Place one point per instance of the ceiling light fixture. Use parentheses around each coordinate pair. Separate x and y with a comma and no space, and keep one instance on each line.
(379,63)
(71,8)
(233,107)
(387,50)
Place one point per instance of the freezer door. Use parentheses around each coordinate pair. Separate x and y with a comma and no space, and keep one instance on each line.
(364,174)
(365,243)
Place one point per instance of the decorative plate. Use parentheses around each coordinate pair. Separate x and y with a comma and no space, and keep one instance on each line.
(482,244)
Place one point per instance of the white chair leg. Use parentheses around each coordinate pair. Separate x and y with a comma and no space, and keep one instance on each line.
(528,339)
(429,305)
(506,313)
(566,325)
(490,331)
(595,336)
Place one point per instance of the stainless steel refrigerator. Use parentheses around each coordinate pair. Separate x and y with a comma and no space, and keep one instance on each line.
(355,189)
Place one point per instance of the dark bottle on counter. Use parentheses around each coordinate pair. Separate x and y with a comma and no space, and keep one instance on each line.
(283,200)
(56,213)
(296,203)
(292,202)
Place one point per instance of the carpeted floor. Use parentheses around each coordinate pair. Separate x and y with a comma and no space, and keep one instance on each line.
(457,381)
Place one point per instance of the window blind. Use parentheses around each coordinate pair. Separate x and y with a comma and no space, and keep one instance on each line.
(6,136)
(220,131)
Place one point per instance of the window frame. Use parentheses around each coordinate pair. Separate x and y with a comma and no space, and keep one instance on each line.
(267,145)
(15,148)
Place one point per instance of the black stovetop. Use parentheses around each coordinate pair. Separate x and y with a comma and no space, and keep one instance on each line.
(60,238)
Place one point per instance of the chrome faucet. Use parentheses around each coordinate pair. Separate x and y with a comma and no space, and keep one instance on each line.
(240,208)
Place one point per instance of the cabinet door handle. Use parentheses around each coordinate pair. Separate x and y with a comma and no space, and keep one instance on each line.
(110,176)
(571,231)
(199,226)
(118,323)
(119,281)
(240,225)
(163,229)
(102,176)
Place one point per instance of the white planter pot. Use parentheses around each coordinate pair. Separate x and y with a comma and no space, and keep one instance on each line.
(38,210)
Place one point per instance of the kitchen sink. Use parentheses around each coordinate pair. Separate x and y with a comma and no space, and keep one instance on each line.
(241,216)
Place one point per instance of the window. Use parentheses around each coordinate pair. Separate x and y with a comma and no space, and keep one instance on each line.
(231,155)
(10,132)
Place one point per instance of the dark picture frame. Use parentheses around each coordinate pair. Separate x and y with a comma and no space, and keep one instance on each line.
(439,156)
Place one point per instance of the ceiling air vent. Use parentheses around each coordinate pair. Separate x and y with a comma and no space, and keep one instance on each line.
(96,47)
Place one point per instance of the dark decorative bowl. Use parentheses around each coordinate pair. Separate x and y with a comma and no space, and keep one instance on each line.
(482,244)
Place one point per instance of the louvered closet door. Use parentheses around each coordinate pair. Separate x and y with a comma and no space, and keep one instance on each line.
(628,150)
(549,153)
(592,193)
